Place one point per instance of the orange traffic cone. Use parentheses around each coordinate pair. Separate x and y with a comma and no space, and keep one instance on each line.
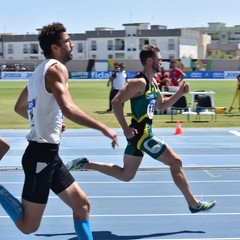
(178,128)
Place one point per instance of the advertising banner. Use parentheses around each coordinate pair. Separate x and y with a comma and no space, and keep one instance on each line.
(231,74)
(16,75)
(205,74)
(100,75)
(103,75)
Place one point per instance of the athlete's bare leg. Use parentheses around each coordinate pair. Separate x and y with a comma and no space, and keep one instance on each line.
(170,158)
(73,196)
(125,173)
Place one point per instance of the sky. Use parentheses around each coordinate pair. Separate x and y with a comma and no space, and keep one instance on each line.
(78,16)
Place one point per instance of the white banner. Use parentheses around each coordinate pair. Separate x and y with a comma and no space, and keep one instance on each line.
(231,74)
(16,75)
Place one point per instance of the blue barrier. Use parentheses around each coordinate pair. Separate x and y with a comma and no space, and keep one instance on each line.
(205,74)
(103,75)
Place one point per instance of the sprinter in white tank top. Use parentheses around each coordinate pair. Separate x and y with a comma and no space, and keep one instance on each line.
(44,102)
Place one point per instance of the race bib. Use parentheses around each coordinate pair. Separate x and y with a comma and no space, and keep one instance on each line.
(151,108)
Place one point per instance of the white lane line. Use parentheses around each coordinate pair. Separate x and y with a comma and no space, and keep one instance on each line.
(236,133)
(143,215)
(141,182)
(150,196)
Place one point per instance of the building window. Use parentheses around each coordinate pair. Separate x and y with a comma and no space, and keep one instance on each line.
(93,45)
(119,44)
(33,48)
(224,35)
(154,42)
(10,49)
(142,42)
(34,57)
(110,45)
(171,44)
(119,55)
(110,56)
(80,47)
(25,48)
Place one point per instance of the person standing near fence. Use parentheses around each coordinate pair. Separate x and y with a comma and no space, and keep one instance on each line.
(110,84)
(118,79)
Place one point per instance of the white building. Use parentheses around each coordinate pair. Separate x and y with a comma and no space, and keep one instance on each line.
(107,43)
(225,41)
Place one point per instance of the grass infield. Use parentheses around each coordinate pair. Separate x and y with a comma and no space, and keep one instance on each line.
(92,97)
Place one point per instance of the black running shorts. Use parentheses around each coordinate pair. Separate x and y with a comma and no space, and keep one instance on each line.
(44,170)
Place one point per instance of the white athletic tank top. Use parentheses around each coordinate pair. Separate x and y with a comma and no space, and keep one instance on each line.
(45,116)
(120,80)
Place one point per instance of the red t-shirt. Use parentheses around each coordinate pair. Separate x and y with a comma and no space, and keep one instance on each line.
(175,74)
(160,76)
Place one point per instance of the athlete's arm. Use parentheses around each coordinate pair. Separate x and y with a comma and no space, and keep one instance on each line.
(134,88)
(164,103)
(182,75)
(56,83)
(110,81)
(21,104)
(4,147)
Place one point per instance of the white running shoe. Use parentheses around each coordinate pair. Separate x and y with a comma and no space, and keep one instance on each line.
(77,164)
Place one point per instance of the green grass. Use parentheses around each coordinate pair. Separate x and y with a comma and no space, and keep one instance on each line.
(92,97)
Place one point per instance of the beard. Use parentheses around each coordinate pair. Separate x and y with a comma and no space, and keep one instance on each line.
(156,68)
(66,55)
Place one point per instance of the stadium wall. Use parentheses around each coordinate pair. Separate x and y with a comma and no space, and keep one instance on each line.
(135,65)
(103,75)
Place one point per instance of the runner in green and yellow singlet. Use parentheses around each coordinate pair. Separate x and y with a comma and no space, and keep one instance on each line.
(144,95)
(142,114)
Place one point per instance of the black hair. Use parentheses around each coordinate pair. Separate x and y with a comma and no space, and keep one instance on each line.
(50,34)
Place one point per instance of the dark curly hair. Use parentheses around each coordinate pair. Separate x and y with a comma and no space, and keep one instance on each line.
(148,51)
(50,34)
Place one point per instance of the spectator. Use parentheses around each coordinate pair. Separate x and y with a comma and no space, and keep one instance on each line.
(3,67)
(110,83)
(163,79)
(118,80)
(176,74)
(195,66)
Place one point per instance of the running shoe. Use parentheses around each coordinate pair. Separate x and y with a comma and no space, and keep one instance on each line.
(203,207)
(77,164)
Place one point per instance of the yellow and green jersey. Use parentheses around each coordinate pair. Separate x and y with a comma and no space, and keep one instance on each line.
(143,111)
(143,106)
